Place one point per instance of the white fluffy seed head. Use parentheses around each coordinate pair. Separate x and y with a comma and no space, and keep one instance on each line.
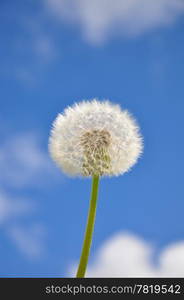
(95,138)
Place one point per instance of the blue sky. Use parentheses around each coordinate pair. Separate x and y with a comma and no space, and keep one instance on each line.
(52,56)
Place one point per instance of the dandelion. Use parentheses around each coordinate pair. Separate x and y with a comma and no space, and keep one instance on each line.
(94,139)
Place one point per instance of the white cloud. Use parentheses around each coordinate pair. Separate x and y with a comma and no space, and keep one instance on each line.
(10,208)
(40,51)
(44,48)
(101,19)
(28,240)
(23,162)
(24,74)
(33,47)
(172,260)
(39,41)
(126,255)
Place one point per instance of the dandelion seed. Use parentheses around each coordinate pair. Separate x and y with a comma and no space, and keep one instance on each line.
(94,139)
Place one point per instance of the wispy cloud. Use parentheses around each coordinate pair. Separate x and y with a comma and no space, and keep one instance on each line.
(23,162)
(10,208)
(44,48)
(28,240)
(41,43)
(127,255)
(99,20)
(31,48)
(40,51)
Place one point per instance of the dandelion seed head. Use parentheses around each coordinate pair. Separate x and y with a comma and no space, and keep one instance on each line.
(95,138)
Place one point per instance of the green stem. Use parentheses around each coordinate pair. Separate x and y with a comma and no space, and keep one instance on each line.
(89,228)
